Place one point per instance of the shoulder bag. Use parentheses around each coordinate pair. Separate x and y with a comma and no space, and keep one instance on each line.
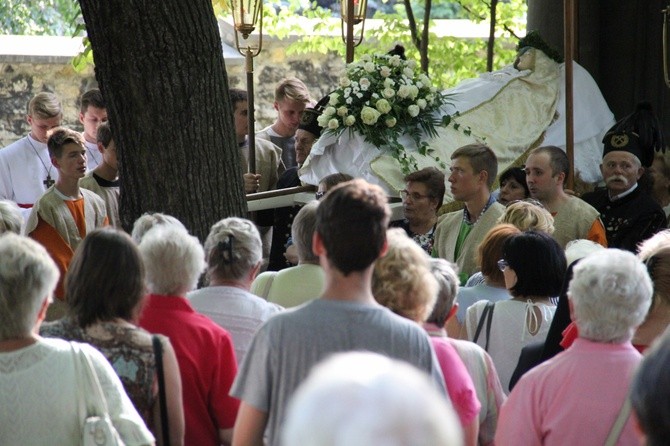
(487,315)
(97,429)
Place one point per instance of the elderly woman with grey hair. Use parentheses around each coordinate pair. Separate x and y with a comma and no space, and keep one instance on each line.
(42,377)
(174,261)
(478,363)
(363,398)
(11,218)
(233,251)
(578,396)
(296,285)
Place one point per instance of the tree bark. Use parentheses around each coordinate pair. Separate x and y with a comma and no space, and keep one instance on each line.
(159,65)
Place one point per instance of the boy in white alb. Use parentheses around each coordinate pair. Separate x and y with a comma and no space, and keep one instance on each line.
(25,167)
(92,113)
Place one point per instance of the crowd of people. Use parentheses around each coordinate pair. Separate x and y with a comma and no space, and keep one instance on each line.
(521,318)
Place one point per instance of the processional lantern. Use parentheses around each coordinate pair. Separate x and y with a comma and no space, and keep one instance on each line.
(353,13)
(247,15)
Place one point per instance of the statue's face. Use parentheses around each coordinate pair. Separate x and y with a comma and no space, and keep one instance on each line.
(525,59)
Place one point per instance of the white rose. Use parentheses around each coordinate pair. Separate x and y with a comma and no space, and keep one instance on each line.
(333,124)
(388,93)
(365,83)
(334,98)
(349,120)
(383,106)
(390,122)
(411,64)
(425,80)
(385,71)
(403,91)
(419,84)
(388,82)
(345,81)
(369,67)
(365,58)
(329,111)
(323,121)
(395,61)
(413,110)
(413,91)
(349,100)
(369,115)
(407,71)
(347,92)
(342,111)
(421,103)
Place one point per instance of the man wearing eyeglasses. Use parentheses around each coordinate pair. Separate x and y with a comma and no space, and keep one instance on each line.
(473,169)
(629,214)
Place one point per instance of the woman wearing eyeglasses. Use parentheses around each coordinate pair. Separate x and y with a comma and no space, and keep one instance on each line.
(533,265)
(421,199)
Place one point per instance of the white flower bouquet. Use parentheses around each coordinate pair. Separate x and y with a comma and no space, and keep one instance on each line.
(384,97)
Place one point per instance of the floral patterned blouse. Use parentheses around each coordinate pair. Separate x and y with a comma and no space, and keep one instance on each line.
(128,348)
(423,240)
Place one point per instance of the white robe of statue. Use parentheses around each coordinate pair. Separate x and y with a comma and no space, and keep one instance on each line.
(508,110)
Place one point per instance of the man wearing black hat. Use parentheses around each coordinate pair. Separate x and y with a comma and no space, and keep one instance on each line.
(629,214)
(308,132)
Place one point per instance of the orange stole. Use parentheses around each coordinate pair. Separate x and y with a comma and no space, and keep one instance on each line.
(58,249)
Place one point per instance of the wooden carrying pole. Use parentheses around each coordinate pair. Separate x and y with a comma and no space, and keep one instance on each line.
(569,44)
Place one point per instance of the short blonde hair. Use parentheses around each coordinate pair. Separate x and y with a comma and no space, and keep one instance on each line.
(45,105)
(402,280)
(293,89)
(528,215)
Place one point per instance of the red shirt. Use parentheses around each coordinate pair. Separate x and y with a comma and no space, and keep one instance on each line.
(207,364)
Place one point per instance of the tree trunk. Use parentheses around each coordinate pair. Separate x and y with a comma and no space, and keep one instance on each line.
(159,65)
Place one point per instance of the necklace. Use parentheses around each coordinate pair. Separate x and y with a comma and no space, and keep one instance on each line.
(48,182)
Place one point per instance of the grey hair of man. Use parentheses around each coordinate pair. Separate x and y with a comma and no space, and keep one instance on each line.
(28,277)
(448,282)
(233,248)
(302,232)
(11,218)
(147,221)
(174,260)
(610,293)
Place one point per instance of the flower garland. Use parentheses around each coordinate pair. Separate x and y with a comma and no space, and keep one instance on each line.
(384,97)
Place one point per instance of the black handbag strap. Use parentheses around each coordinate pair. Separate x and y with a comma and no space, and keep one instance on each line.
(158,352)
(487,315)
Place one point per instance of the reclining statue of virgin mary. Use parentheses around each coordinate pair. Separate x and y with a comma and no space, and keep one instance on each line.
(512,110)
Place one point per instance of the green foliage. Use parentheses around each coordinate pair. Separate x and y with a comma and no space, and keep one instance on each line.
(43,17)
(451,59)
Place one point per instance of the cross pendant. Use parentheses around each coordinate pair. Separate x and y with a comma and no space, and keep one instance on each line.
(48,182)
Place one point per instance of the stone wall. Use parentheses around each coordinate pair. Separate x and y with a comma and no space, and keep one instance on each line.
(29,65)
